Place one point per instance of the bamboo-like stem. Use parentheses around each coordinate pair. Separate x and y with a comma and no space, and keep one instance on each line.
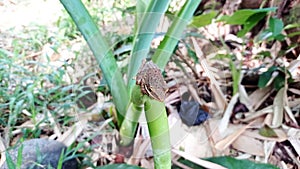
(129,125)
(158,127)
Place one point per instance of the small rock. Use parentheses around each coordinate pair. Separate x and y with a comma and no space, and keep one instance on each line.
(41,154)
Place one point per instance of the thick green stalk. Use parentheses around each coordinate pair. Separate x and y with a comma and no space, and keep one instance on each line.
(129,125)
(144,36)
(159,132)
(102,52)
(174,33)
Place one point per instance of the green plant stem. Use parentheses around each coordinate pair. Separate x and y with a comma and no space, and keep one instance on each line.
(129,125)
(102,52)
(174,33)
(158,126)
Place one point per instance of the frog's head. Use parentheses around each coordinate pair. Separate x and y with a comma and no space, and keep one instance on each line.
(157,93)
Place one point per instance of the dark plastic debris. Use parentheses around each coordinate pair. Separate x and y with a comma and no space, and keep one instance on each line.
(191,114)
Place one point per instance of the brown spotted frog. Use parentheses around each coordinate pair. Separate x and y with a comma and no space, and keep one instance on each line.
(151,81)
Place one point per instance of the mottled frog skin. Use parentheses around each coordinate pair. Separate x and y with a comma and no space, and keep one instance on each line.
(151,81)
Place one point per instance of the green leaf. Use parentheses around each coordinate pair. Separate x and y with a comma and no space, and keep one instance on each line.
(251,22)
(20,156)
(279,37)
(279,81)
(145,33)
(204,19)
(232,163)
(9,161)
(265,77)
(241,16)
(276,26)
(119,166)
(228,162)
(265,34)
(236,72)
(174,33)
(265,53)
(267,131)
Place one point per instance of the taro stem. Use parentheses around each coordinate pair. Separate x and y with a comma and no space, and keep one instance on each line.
(159,132)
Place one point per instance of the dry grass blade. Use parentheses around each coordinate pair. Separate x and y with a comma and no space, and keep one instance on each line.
(2,150)
(249,145)
(294,103)
(278,105)
(225,120)
(198,161)
(181,165)
(279,132)
(294,65)
(216,90)
(71,135)
(225,143)
(259,96)
(244,98)
(138,153)
(290,114)
(294,136)
(53,123)
(253,115)
(295,91)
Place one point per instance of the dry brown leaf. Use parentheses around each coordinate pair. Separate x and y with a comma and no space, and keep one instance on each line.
(294,103)
(216,90)
(253,115)
(225,143)
(294,65)
(139,153)
(249,145)
(268,149)
(195,95)
(198,161)
(278,105)
(295,91)
(193,140)
(259,96)
(145,163)
(226,116)
(56,128)
(294,139)
(255,134)
(244,98)
(218,97)
(290,114)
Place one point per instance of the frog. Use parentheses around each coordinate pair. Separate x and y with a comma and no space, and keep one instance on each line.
(151,81)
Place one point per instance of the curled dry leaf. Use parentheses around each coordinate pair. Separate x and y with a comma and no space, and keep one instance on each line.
(278,105)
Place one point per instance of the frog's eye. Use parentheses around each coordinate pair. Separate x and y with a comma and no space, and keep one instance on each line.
(150,89)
